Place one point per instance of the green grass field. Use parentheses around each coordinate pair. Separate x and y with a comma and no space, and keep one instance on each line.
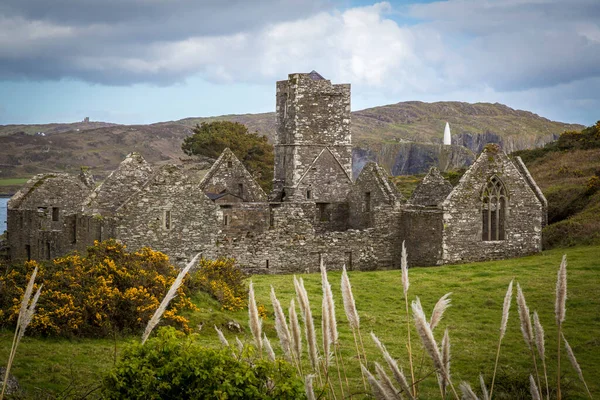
(53,365)
(13,181)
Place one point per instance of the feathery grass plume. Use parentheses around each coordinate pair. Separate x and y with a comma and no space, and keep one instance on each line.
(240,345)
(386,383)
(484,392)
(575,364)
(167,299)
(296,334)
(535,393)
(503,323)
(439,309)
(26,313)
(328,297)
(254,318)
(446,361)
(404,268)
(539,344)
(298,288)
(325,329)
(424,331)
(281,326)
(560,311)
(309,324)
(222,337)
(268,348)
(308,387)
(468,393)
(505,309)
(525,318)
(349,304)
(393,365)
(405,285)
(376,387)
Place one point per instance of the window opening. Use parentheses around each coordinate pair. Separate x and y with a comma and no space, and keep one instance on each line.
(47,250)
(28,252)
(229,164)
(367,201)
(267,264)
(349,260)
(55,213)
(226,220)
(167,219)
(493,210)
(323,212)
(308,194)
(74,238)
(241,189)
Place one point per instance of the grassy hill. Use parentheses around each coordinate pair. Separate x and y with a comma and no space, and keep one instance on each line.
(379,133)
(54,366)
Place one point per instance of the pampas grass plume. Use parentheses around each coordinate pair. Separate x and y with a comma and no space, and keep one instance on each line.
(268,348)
(308,387)
(349,304)
(484,392)
(222,337)
(525,318)
(254,318)
(539,335)
(535,393)
(296,335)
(393,365)
(427,338)
(390,391)
(404,268)
(439,309)
(281,326)
(376,387)
(468,393)
(167,299)
(505,309)
(575,364)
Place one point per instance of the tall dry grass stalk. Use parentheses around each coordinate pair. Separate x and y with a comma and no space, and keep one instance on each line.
(575,365)
(484,392)
(376,387)
(240,346)
(527,329)
(405,286)
(446,361)
(254,319)
(540,345)
(467,392)
(309,325)
(268,348)
(222,337)
(296,335)
(308,387)
(353,318)
(26,313)
(535,393)
(386,383)
(167,299)
(281,326)
(426,334)
(503,323)
(438,311)
(560,309)
(393,365)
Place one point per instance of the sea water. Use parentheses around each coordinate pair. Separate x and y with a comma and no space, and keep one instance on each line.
(3,202)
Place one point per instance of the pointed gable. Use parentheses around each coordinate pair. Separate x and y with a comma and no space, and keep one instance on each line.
(228,175)
(325,180)
(65,191)
(432,190)
(131,174)
(374,178)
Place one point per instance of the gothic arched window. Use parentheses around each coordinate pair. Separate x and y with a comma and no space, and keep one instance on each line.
(493,210)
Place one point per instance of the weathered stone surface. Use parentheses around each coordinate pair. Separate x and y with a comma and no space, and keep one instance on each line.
(432,190)
(316,210)
(12,387)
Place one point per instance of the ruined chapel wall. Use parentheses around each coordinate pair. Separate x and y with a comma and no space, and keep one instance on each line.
(421,228)
(170,214)
(462,235)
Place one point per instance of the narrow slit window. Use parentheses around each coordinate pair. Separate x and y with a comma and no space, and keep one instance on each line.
(493,210)
(367,201)
(167,219)
(241,189)
(55,213)
(229,164)
(308,194)
(226,220)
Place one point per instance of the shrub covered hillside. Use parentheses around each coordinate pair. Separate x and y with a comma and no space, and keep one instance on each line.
(568,172)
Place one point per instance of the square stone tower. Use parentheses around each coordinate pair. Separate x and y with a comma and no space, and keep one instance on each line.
(312,115)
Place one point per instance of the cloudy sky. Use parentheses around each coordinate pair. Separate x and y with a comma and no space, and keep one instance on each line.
(143,61)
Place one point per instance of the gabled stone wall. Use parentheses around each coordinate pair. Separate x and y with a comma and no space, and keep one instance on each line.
(432,190)
(463,222)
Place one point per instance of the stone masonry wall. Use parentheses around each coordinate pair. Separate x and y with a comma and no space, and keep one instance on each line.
(462,229)
(421,229)
(169,214)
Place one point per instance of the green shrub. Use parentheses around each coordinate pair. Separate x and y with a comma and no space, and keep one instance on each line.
(565,201)
(108,290)
(170,366)
(223,280)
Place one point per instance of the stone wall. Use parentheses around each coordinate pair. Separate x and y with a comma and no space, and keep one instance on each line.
(169,214)
(432,190)
(463,223)
(421,228)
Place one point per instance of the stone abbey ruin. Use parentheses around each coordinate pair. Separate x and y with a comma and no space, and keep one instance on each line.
(315,212)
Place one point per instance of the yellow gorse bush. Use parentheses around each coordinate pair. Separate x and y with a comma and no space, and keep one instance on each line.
(108,290)
(223,280)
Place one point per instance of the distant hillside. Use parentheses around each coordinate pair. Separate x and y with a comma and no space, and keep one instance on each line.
(404,137)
